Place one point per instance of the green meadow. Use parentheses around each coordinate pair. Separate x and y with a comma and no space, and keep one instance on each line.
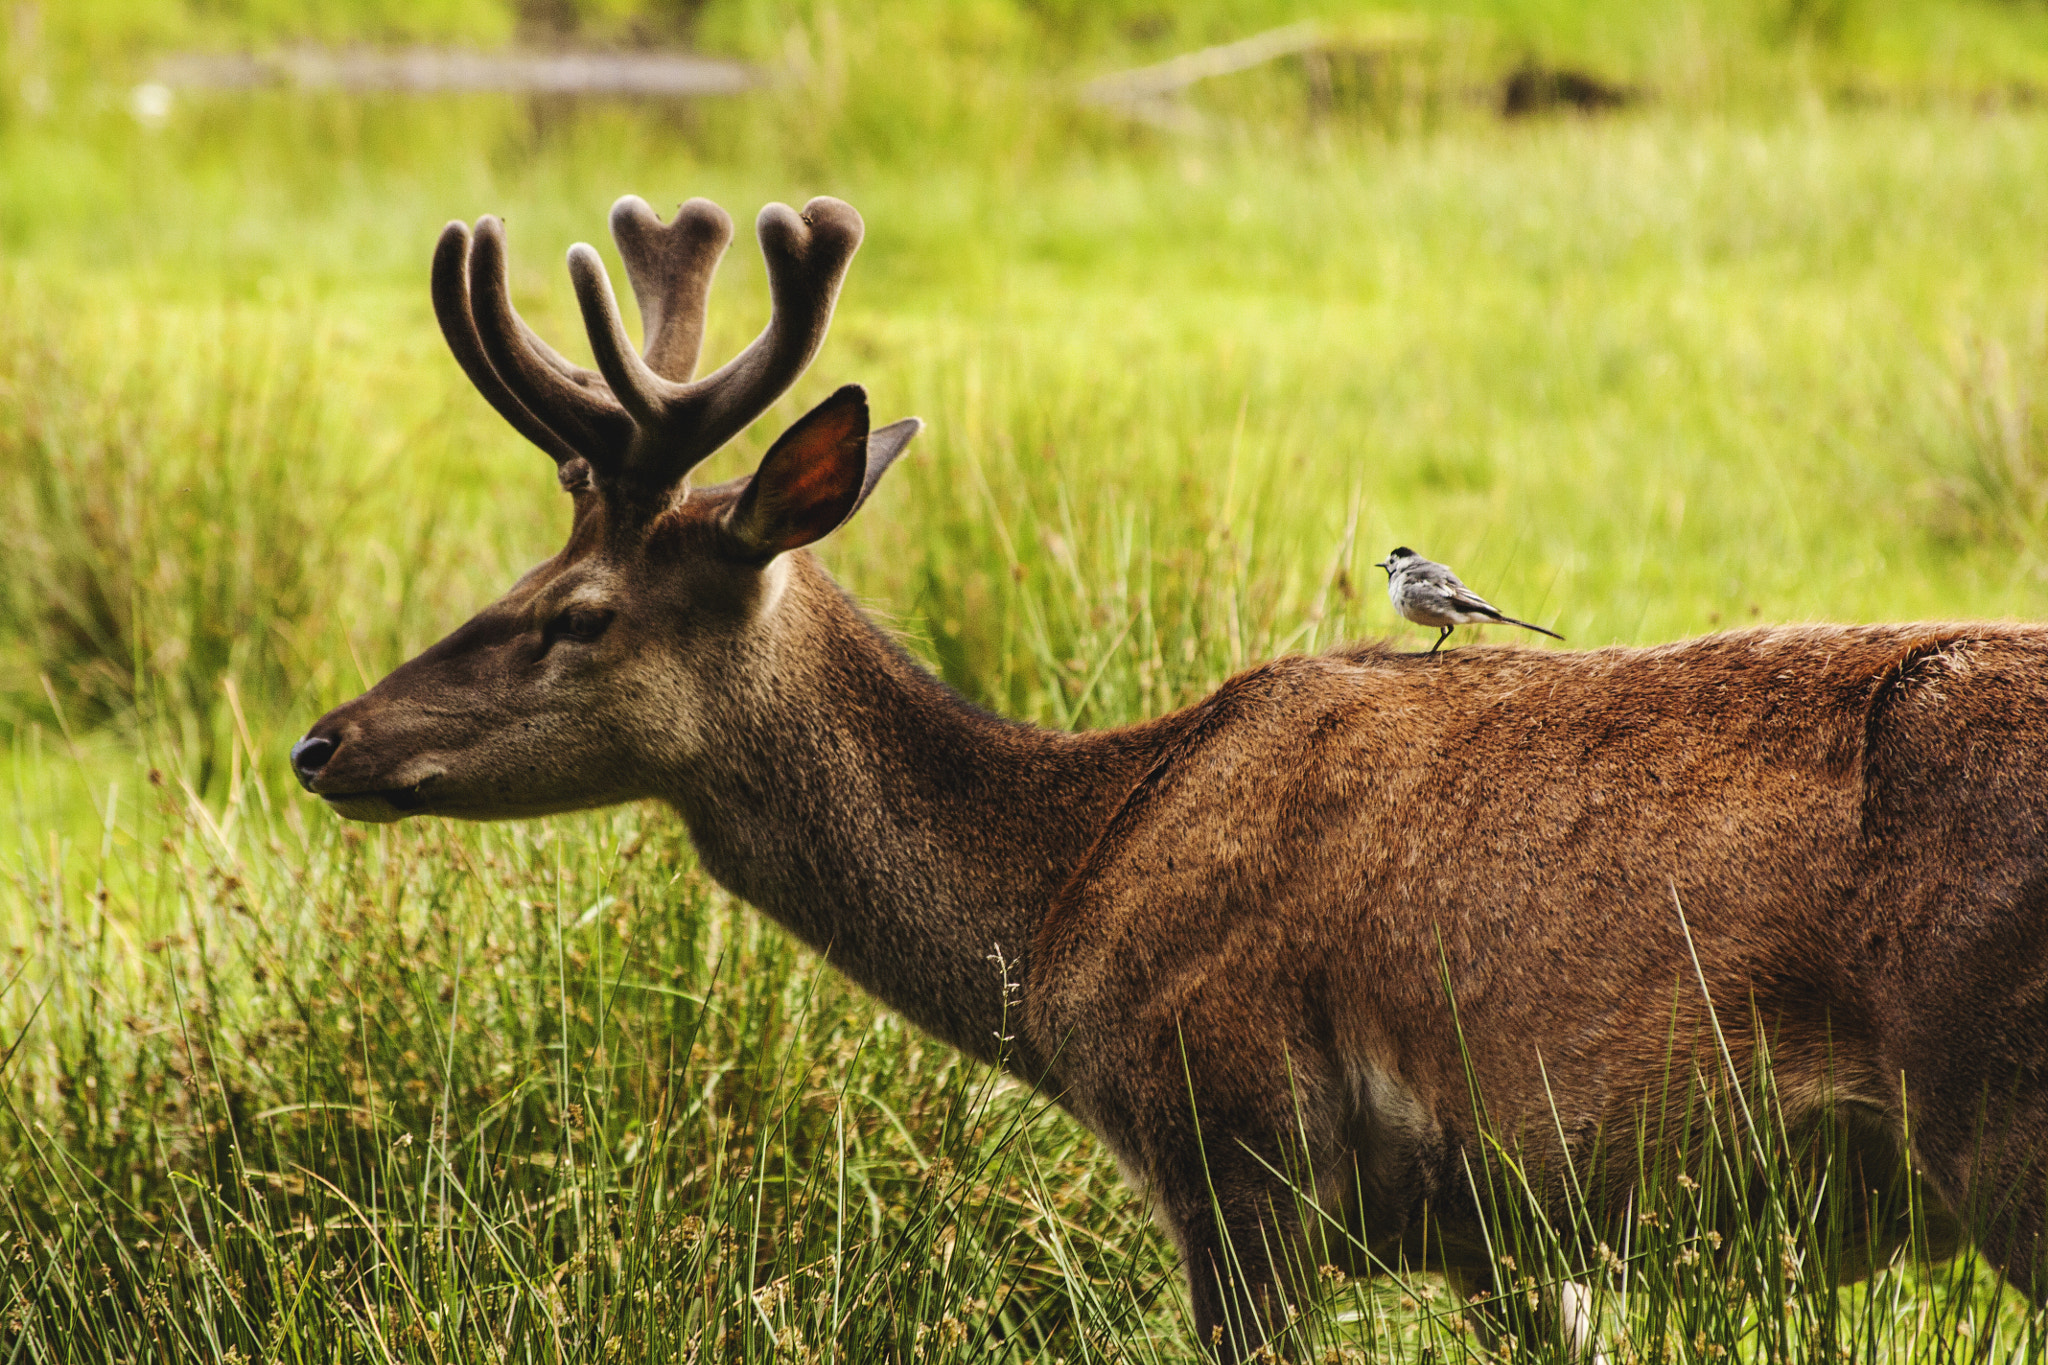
(1769,343)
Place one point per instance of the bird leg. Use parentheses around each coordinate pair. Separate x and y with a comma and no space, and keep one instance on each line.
(1441,636)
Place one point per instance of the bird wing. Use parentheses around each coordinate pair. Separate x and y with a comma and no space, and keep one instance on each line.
(1467,600)
(1440,577)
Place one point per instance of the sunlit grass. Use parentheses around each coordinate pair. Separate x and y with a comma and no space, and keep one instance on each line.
(541,1092)
(453,1094)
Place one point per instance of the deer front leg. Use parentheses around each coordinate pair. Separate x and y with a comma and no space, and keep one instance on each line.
(1229,1159)
(1241,1244)
(1978,1120)
(1984,1154)
(1226,1121)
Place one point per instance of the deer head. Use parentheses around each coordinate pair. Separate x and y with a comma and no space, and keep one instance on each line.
(585,682)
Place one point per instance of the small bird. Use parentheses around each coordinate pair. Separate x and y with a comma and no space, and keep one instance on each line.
(1429,594)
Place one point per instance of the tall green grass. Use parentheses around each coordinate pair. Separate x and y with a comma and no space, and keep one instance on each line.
(451,1099)
(541,1093)
(278,1088)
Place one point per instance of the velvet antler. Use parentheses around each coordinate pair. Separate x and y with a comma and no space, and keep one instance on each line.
(640,417)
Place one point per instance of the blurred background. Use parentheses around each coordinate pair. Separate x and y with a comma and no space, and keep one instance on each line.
(1653,317)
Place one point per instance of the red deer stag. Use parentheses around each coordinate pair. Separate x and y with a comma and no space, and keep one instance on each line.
(1294,927)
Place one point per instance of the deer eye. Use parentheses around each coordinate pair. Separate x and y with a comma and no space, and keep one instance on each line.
(579,623)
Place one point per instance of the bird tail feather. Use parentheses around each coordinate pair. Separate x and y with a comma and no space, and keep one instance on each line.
(1509,620)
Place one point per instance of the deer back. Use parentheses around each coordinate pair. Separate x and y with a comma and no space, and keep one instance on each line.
(1526,872)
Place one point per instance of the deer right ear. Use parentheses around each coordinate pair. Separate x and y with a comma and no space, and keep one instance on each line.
(815,476)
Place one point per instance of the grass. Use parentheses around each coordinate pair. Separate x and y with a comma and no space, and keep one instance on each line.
(639,1120)
(281,1089)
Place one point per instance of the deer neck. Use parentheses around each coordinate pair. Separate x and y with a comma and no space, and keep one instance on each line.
(911,838)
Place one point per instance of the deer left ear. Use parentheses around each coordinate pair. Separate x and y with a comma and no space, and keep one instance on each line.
(815,476)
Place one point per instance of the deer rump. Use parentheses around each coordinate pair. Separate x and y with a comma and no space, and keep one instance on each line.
(1361,898)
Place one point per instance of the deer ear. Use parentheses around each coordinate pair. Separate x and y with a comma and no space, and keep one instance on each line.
(810,480)
(815,476)
(883,448)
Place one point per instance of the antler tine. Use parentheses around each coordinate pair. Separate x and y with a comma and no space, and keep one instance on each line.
(451,307)
(679,424)
(670,268)
(493,228)
(570,400)
(651,399)
(630,416)
(807,257)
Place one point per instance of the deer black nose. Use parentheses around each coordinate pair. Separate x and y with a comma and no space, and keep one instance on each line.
(309,756)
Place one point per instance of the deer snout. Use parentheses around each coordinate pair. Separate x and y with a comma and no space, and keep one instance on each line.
(310,755)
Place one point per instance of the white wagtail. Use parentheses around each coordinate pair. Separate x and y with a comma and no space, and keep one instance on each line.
(1429,594)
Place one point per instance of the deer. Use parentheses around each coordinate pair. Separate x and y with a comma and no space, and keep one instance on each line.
(1269,947)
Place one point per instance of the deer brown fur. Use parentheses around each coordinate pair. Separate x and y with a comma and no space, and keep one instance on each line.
(1298,926)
